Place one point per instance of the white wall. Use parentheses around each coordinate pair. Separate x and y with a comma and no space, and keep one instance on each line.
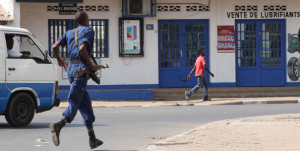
(145,70)
(222,6)
(122,71)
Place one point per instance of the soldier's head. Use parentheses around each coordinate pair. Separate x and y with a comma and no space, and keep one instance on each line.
(201,52)
(82,18)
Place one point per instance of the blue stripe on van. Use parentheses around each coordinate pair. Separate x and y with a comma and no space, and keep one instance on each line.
(43,90)
(4,95)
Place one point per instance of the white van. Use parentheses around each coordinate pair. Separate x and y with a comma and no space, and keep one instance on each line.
(27,84)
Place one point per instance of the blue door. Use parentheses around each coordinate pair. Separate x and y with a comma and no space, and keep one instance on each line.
(179,42)
(260,52)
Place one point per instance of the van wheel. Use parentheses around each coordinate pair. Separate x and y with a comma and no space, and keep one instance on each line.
(292,69)
(20,110)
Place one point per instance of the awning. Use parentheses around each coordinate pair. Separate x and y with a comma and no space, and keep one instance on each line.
(4,15)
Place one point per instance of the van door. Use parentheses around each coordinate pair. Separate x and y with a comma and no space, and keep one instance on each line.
(4,93)
(33,72)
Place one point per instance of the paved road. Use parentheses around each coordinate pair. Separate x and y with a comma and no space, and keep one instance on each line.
(128,128)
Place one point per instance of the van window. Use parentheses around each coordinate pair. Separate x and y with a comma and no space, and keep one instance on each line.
(23,46)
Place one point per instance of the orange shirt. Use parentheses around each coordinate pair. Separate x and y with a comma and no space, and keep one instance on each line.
(199,64)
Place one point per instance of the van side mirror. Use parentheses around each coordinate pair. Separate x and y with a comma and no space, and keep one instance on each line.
(46,56)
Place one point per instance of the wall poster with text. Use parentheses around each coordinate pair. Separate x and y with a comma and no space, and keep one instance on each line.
(226,39)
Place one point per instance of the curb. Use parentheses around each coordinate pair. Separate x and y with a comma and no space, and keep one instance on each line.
(153,146)
(261,102)
(243,102)
(246,102)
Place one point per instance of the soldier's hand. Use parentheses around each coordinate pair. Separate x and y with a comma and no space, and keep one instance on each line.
(93,68)
(60,62)
(87,75)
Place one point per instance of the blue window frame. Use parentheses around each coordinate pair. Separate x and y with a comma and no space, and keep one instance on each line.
(57,27)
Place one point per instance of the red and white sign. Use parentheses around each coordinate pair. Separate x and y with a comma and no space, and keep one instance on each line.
(226,39)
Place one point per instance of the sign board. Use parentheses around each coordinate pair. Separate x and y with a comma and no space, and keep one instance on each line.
(226,39)
(131,40)
(67,8)
(50,1)
(149,27)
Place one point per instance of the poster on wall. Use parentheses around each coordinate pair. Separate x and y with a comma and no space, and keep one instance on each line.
(226,39)
(131,42)
(293,69)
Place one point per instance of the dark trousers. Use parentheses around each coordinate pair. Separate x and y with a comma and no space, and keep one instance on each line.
(200,81)
(79,99)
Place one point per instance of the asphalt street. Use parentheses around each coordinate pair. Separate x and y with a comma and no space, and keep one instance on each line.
(126,128)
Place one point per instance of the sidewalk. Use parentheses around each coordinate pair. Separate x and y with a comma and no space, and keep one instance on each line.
(214,101)
(265,133)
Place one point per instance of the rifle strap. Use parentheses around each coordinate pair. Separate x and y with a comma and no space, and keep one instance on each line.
(76,37)
(76,42)
(93,58)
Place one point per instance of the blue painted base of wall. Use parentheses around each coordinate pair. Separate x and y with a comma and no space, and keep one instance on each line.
(293,84)
(115,95)
(103,87)
(119,94)
(233,84)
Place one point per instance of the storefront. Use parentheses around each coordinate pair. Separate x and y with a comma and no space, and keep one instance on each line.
(154,43)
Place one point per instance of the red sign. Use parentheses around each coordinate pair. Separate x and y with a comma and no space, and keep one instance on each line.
(226,39)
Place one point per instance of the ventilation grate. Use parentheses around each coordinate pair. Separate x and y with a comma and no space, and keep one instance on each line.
(275,8)
(245,8)
(196,8)
(168,8)
(88,8)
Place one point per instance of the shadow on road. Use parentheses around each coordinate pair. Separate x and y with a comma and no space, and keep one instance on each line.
(41,126)
(115,150)
(166,144)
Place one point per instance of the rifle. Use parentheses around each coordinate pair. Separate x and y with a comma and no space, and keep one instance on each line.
(92,74)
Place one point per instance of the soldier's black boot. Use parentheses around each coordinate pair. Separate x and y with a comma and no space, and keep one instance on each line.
(94,142)
(55,130)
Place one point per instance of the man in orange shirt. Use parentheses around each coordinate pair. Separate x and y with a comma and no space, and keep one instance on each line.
(200,65)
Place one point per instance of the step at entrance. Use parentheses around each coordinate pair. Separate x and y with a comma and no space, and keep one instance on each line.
(248,92)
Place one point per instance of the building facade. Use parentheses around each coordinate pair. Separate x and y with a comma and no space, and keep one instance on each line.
(247,43)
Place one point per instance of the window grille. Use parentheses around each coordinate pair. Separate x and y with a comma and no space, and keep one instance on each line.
(57,27)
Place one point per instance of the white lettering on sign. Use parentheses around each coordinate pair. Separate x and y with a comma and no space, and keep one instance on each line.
(226,38)
(226,45)
(247,12)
